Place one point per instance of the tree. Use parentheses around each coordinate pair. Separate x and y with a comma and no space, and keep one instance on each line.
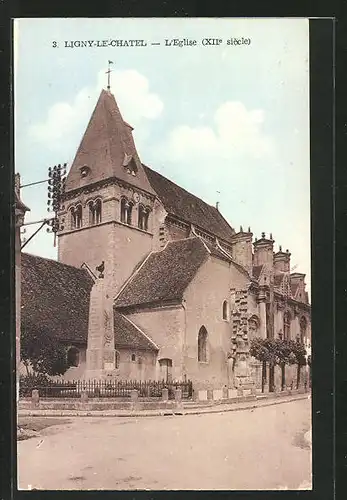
(259,349)
(43,353)
(299,356)
(274,352)
(284,357)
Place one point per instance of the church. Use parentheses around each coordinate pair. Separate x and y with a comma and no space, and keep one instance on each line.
(151,282)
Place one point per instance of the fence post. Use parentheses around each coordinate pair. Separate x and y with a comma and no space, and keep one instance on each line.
(210,394)
(178,395)
(178,398)
(134,397)
(240,392)
(35,398)
(84,396)
(165,394)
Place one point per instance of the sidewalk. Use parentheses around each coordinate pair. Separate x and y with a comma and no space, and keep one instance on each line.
(183,409)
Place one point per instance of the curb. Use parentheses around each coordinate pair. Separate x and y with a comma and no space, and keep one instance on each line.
(154,413)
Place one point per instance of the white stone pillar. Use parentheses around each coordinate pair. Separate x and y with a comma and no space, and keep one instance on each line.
(101,353)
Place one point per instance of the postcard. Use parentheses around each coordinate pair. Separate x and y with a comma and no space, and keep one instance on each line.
(163,254)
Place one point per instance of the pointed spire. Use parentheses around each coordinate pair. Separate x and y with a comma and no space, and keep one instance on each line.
(249,229)
(106,146)
(263,234)
(241,229)
(280,249)
(270,236)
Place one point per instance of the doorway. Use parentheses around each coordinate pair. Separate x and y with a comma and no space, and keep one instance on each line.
(165,372)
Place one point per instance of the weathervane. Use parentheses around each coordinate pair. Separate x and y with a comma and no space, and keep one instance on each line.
(108,72)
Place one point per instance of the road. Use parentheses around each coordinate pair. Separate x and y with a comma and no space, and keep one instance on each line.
(259,449)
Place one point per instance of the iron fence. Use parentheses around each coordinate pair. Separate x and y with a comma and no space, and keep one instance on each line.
(107,389)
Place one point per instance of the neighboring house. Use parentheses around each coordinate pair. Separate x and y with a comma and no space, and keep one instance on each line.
(183,281)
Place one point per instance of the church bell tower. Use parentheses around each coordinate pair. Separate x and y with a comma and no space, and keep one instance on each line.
(106,214)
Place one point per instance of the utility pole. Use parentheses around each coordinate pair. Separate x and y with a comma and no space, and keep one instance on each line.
(56,186)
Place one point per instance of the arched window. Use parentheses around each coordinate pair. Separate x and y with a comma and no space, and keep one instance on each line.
(117,359)
(141,217)
(225,310)
(91,213)
(129,213)
(126,208)
(73,217)
(202,344)
(73,356)
(286,325)
(123,210)
(78,213)
(303,328)
(253,326)
(147,210)
(165,369)
(133,357)
(97,206)
(76,217)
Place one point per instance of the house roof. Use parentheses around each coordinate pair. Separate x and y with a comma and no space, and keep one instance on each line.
(188,207)
(127,334)
(164,275)
(278,278)
(217,252)
(55,301)
(106,144)
(55,298)
(294,288)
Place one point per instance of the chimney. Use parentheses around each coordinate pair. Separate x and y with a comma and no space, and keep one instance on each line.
(242,248)
(263,251)
(282,261)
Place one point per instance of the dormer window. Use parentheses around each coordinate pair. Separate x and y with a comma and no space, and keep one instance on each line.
(84,171)
(129,164)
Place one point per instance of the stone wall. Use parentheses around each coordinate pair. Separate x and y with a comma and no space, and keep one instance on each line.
(142,368)
(165,326)
(203,303)
(122,247)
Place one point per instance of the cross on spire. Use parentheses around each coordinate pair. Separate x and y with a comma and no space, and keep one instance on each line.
(108,72)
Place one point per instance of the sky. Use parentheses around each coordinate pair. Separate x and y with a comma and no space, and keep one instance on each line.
(229,123)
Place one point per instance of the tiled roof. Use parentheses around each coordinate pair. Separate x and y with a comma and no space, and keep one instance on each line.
(217,252)
(278,278)
(55,298)
(164,275)
(106,144)
(127,334)
(55,302)
(188,207)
